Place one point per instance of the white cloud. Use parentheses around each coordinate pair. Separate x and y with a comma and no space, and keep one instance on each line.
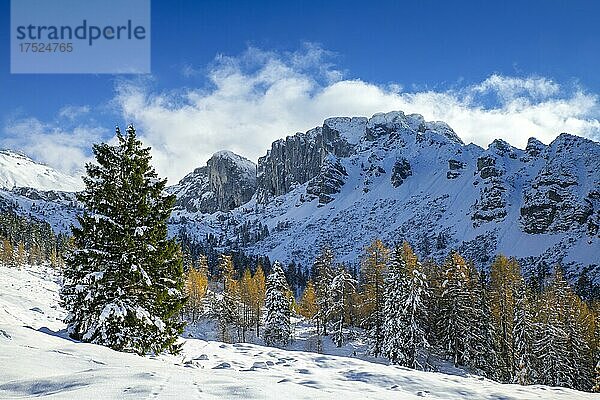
(261,96)
(67,151)
(73,112)
(510,88)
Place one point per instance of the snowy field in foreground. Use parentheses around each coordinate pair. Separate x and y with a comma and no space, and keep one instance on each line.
(37,359)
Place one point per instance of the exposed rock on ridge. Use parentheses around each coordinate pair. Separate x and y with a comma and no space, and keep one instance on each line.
(226,182)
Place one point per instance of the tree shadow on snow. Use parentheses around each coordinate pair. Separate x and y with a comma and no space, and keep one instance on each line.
(60,334)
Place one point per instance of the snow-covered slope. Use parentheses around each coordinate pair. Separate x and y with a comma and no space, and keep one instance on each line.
(18,170)
(38,360)
(397,177)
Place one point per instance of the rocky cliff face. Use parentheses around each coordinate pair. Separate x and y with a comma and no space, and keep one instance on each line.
(226,182)
(563,195)
(297,159)
(308,156)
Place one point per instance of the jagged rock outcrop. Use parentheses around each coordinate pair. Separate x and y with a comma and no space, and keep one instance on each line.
(400,171)
(533,149)
(455,168)
(561,197)
(299,158)
(226,182)
(329,181)
(493,185)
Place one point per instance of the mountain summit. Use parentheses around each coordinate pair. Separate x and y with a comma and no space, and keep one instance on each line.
(18,170)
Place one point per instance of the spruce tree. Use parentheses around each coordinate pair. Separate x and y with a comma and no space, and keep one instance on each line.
(576,321)
(278,330)
(405,313)
(483,344)
(323,276)
(342,287)
(123,283)
(393,310)
(505,276)
(551,343)
(456,309)
(227,307)
(522,338)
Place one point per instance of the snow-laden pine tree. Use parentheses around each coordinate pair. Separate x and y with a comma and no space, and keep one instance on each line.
(456,309)
(227,307)
(393,310)
(123,283)
(551,342)
(505,275)
(578,322)
(323,273)
(522,335)
(482,340)
(405,310)
(342,287)
(277,330)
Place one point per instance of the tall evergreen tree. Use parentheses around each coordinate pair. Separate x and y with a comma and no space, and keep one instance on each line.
(323,273)
(577,321)
(342,288)
(278,330)
(456,308)
(551,340)
(482,340)
(227,307)
(505,277)
(522,336)
(393,308)
(405,311)
(123,284)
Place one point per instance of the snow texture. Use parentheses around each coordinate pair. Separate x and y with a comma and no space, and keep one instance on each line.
(37,359)
(18,170)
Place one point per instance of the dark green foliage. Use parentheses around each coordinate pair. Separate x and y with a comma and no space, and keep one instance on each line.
(124,281)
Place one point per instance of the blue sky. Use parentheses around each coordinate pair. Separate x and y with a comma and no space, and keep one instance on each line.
(216,65)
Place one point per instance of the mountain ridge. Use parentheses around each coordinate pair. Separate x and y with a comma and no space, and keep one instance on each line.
(395,177)
(398,177)
(19,170)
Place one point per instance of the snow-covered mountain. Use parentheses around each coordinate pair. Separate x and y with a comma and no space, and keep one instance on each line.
(392,176)
(398,177)
(226,182)
(18,170)
(38,359)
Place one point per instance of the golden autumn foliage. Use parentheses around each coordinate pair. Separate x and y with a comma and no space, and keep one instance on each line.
(308,303)
(196,285)
(374,264)
(505,277)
